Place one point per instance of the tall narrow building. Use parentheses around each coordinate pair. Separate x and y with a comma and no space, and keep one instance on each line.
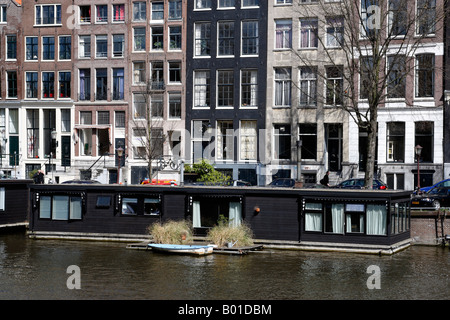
(225,85)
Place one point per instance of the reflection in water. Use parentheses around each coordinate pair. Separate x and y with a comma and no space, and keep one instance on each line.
(37,269)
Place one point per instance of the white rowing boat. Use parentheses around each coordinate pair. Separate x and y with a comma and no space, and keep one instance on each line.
(182,248)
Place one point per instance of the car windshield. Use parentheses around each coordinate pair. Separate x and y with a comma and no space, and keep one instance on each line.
(438,191)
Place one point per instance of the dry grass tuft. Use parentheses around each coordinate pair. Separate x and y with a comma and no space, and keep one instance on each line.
(171,232)
(222,234)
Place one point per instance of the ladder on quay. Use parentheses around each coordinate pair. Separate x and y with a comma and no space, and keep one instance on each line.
(441,215)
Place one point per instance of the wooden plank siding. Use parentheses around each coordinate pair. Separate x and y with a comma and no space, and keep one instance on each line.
(16,208)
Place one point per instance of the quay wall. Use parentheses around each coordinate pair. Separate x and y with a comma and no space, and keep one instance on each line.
(427,228)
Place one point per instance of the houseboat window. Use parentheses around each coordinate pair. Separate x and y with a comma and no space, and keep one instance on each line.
(45,207)
(399,218)
(313,217)
(206,212)
(376,219)
(334,218)
(103,202)
(59,207)
(152,206)
(2,199)
(75,208)
(354,218)
(129,206)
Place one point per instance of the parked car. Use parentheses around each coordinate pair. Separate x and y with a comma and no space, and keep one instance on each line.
(77,181)
(155,182)
(241,183)
(283,183)
(433,198)
(443,183)
(359,184)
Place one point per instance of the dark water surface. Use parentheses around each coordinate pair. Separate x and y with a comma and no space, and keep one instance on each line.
(37,269)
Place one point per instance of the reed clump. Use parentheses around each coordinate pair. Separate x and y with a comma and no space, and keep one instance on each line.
(171,232)
(223,233)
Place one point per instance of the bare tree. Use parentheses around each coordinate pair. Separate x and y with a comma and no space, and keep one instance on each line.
(148,123)
(370,45)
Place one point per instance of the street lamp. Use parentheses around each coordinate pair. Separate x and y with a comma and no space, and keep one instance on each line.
(418,150)
(119,155)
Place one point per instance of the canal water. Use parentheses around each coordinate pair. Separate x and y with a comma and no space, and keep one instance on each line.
(44,269)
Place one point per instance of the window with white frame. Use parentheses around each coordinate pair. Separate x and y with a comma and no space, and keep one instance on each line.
(157,105)
(308,33)
(139,11)
(48,85)
(225,138)
(11,47)
(202,39)
(101,13)
(283,34)
(202,4)
(425,75)
(334,85)
(65,47)
(11,78)
(226,3)
(139,72)
(175,9)
(139,106)
(250,38)
(139,39)
(396,79)
(249,88)
(118,12)
(334,31)
(398,18)
(369,10)
(174,71)
(118,84)
(225,40)
(101,46)
(282,141)
(426,17)
(308,137)
(282,87)
(283,1)
(174,105)
(3,13)
(31,49)
(225,88)
(85,85)
(85,14)
(308,86)
(118,45)
(248,140)
(157,38)
(175,38)
(202,88)
(48,48)
(84,47)
(64,84)
(157,11)
(31,81)
(250,3)
(396,142)
(366,76)
(48,14)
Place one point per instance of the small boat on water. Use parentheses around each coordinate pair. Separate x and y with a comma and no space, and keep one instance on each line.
(182,248)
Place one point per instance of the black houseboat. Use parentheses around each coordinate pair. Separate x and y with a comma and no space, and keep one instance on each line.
(14,196)
(309,219)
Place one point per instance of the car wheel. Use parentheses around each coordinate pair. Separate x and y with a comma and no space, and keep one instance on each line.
(436,204)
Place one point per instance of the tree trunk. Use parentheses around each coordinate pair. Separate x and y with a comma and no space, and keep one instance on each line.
(371,149)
